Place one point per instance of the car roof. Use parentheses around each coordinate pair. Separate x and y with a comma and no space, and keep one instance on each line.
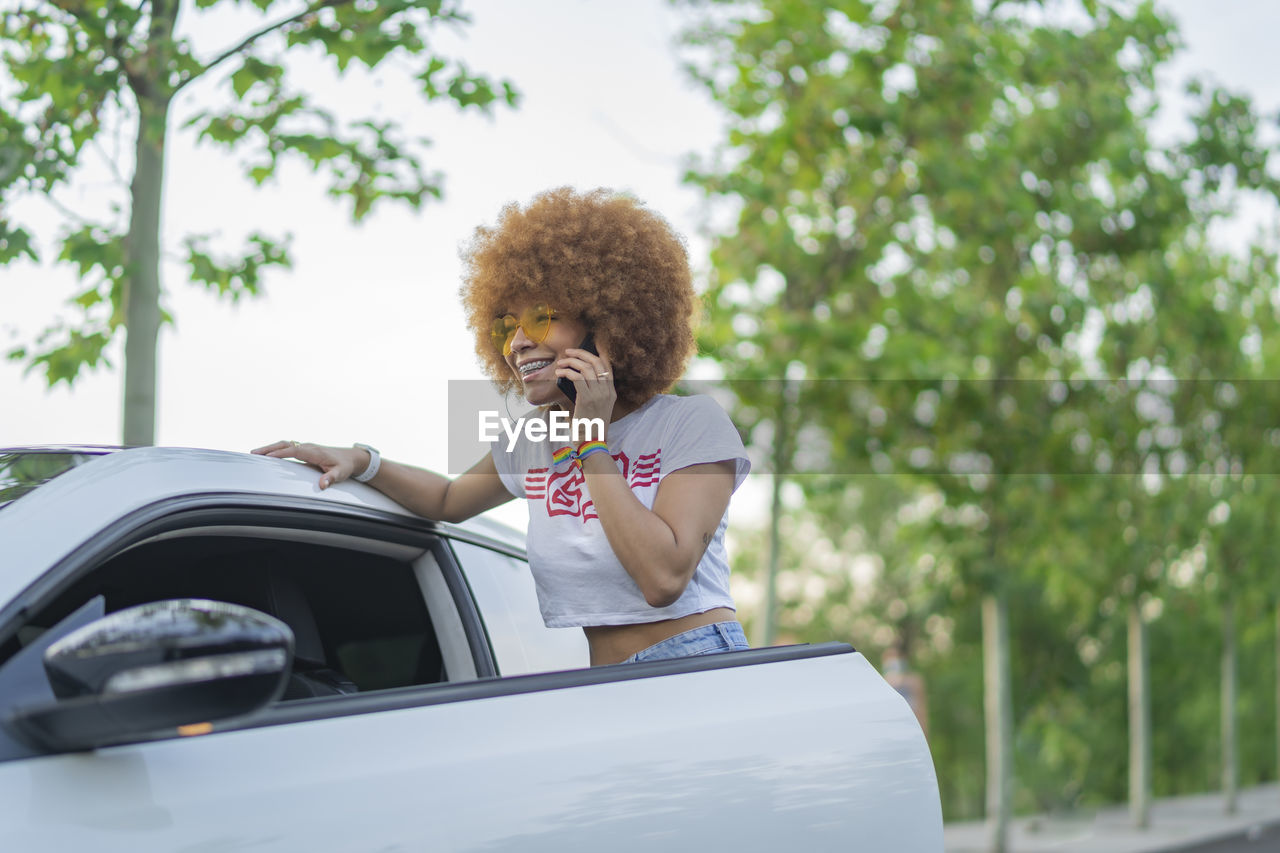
(46,524)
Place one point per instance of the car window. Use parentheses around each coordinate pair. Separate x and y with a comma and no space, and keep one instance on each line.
(22,472)
(359,618)
(505,592)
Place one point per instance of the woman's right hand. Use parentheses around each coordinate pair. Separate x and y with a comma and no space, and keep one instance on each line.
(336,463)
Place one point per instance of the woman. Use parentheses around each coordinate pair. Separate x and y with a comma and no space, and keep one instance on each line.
(626,536)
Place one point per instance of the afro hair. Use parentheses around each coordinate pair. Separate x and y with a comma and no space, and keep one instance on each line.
(599,257)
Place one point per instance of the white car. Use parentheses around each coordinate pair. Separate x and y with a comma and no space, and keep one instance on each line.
(202,651)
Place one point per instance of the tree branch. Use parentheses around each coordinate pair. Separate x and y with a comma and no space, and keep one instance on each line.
(252,37)
(110,161)
(69,213)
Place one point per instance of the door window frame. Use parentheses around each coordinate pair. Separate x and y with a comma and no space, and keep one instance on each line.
(194,513)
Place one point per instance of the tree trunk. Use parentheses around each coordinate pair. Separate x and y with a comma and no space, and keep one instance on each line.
(998,710)
(142,294)
(151,79)
(1229,775)
(1139,720)
(781,465)
(769,625)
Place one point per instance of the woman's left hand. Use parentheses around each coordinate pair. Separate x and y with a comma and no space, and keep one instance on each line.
(593,377)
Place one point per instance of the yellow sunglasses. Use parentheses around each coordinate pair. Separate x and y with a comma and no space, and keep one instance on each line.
(536,322)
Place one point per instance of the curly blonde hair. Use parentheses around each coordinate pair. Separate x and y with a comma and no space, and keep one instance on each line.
(599,257)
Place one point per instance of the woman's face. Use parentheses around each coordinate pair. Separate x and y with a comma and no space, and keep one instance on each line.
(534,362)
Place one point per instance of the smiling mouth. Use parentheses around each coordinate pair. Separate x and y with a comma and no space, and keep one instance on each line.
(526,370)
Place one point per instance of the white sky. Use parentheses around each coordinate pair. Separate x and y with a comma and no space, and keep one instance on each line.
(358,341)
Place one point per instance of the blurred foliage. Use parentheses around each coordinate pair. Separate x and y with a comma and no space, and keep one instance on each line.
(1028,367)
(24,472)
(80,72)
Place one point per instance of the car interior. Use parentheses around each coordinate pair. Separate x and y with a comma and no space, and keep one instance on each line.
(359,614)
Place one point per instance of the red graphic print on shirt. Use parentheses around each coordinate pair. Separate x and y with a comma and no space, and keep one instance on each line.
(564,489)
(565,494)
(647,471)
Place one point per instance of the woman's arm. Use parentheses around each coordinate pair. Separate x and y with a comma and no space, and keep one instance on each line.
(424,492)
(660,548)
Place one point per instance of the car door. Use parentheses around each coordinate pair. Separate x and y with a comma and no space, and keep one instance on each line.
(772,750)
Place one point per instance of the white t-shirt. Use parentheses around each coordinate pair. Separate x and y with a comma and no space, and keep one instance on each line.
(579,580)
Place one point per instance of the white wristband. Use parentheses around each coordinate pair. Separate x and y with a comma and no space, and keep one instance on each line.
(375,462)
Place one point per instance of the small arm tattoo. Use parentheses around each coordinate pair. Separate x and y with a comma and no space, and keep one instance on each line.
(706,539)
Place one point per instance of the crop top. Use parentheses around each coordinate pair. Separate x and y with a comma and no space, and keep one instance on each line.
(579,580)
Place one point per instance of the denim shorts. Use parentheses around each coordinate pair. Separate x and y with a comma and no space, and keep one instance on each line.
(703,640)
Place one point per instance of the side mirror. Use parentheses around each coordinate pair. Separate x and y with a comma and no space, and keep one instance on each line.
(156,670)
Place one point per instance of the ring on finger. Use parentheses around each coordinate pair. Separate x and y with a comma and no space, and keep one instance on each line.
(601,375)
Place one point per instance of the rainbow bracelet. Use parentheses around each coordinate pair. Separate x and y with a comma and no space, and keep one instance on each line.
(568,454)
(589,447)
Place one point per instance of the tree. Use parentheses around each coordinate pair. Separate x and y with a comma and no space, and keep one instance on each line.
(1201,317)
(895,179)
(937,206)
(78,68)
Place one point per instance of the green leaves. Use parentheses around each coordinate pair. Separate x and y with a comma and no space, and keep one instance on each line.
(366,163)
(95,253)
(72,68)
(951,215)
(66,68)
(62,350)
(252,71)
(465,88)
(63,83)
(239,275)
(81,348)
(1226,152)
(15,243)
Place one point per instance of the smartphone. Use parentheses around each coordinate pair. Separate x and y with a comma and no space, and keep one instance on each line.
(564,383)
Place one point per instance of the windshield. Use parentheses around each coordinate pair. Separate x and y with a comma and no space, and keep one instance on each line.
(22,471)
